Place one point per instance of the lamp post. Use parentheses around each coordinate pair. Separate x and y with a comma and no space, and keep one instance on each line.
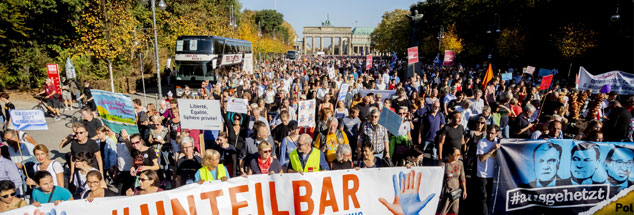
(441,35)
(161,6)
(495,24)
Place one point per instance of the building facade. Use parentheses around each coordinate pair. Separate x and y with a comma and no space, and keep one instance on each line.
(343,40)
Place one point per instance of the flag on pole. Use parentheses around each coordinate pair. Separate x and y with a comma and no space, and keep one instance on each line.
(394,59)
(487,77)
(546,80)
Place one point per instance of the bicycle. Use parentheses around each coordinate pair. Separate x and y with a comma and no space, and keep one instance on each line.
(42,106)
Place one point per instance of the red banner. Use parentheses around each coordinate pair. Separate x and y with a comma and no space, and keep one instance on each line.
(53,74)
(546,82)
(368,62)
(449,56)
(412,55)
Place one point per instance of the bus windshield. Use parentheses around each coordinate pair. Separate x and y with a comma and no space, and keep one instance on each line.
(194,71)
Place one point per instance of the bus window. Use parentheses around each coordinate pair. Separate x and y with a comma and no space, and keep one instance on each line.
(219,46)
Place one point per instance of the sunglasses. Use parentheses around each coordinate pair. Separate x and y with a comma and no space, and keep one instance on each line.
(375,116)
(144,179)
(267,151)
(482,122)
(7,196)
(81,132)
(136,142)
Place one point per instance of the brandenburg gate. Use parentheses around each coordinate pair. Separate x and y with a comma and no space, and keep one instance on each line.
(350,41)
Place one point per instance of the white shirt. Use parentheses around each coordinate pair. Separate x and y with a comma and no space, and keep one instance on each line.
(380,86)
(476,106)
(486,168)
(54,167)
(404,129)
(321,92)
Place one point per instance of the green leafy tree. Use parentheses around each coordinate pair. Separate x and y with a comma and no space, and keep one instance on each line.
(392,33)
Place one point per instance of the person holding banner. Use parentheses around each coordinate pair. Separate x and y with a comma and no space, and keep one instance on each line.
(212,169)
(93,180)
(307,158)
(265,163)
(454,185)
(47,192)
(52,98)
(148,183)
(8,201)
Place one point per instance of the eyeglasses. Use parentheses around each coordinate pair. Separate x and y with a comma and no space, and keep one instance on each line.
(144,179)
(620,163)
(402,113)
(266,151)
(482,122)
(136,142)
(7,196)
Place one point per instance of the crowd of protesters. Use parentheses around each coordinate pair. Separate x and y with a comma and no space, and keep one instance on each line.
(450,118)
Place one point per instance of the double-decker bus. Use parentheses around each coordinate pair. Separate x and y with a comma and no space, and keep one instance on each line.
(199,58)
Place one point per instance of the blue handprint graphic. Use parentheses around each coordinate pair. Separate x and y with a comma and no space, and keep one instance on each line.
(53,212)
(406,197)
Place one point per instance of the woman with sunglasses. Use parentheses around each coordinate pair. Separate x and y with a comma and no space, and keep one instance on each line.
(265,163)
(93,180)
(143,157)
(212,169)
(8,201)
(148,183)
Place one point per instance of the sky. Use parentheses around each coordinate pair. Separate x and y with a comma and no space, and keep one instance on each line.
(344,13)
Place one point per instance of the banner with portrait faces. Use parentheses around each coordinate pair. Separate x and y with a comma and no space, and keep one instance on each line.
(563,177)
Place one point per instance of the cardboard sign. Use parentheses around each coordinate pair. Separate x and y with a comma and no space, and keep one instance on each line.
(412,55)
(237,105)
(28,120)
(507,76)
(390,120)
(368,62)
(530,70)
(200,114)
(53,74)
(343,91)
(546,80)
(306,113)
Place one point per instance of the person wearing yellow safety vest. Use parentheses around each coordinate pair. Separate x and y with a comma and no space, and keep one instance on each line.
(212,168)
(307,158)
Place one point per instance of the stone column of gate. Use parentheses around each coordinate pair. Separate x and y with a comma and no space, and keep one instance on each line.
(340,46)
(349,44)
(304,45)
(332,45)
(312,48)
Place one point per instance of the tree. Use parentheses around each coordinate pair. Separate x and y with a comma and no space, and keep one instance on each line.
(392,33)
(511,43)
(451,41)
(574,40)
(270,20)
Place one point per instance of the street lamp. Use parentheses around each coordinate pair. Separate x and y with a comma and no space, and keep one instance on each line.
(616,16)
(441,35)
(162,5)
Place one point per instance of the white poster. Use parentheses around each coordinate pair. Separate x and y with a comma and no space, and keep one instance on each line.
(530,70)
(385,94)
(28,120)
(620,82)
(237,105)
(306,113)
(200,114)
(367,191)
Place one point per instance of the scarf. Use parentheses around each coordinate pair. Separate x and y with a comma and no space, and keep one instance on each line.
(264,165)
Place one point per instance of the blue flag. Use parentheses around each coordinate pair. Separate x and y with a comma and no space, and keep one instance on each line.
(394,59)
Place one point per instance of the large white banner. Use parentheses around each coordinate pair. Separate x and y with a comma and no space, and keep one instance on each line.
(365,191)
(620,82)
(200,114)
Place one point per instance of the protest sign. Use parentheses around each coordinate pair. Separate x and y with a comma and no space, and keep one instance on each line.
(390,120)
(507,76)
(53,74)
(70,69)
(619,82)
(449,57)
(385,94)
(530,70)
(561,176)
(28,120)
(368,62)
(306,113)
(546,80)
(544,72)
(412,55)
(116,111)
(237,105)
(200,114)
(343,91)
(365,191)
